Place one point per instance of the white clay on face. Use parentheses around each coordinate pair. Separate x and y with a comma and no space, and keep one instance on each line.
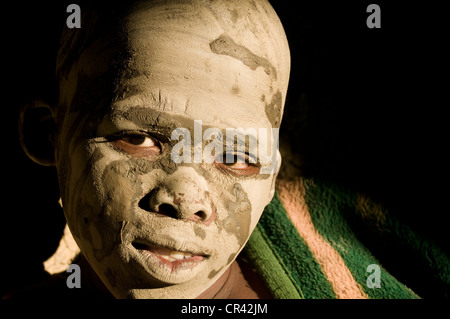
(226,64)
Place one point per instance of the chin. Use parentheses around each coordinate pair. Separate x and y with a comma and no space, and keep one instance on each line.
(139,273)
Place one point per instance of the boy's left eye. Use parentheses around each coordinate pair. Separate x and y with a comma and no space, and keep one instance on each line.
(237,165)
(137,144)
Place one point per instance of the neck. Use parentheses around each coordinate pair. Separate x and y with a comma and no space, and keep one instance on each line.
(223,287)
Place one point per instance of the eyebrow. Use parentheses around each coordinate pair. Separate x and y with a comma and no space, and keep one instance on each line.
(150,118)
(244,137)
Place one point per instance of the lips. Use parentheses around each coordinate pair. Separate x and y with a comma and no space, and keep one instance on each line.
(173,259)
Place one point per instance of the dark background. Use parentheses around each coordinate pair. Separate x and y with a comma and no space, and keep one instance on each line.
(363,110)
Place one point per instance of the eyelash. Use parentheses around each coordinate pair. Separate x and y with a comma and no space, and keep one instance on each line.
(119,141)
(250,170)
(122,134)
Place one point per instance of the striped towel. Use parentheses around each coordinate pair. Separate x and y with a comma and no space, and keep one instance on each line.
(309,244)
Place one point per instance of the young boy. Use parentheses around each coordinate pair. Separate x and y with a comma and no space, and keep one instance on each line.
(156,216)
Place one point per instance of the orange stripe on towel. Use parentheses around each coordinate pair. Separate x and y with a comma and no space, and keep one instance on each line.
(291,194)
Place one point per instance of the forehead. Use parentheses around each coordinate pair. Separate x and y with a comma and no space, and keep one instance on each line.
(185,68)
(179,60)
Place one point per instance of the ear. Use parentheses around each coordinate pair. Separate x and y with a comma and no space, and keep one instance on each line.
(37,131)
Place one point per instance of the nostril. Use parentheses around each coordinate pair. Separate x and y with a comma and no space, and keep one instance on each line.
(201,214)
(149,203)
(167,210)
(144,203)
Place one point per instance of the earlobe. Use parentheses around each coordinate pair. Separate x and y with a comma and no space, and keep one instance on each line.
(37,131)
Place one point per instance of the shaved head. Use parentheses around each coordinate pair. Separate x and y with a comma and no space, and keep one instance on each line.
(135,73)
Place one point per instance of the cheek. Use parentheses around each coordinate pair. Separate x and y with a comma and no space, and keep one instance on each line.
(245,205)
(100,193)
(259,194)
(242,205)
(238,209)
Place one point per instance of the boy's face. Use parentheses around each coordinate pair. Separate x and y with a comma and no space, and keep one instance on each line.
(150,227)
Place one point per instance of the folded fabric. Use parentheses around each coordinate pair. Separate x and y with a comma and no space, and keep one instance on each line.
(316,240)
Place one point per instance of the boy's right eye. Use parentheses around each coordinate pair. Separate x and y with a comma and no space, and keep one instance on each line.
(136,143)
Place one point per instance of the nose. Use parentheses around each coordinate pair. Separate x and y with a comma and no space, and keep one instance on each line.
(183,196)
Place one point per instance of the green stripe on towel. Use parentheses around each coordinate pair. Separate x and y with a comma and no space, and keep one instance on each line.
(276,237)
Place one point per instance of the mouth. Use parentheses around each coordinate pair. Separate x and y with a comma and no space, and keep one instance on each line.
(174,260)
